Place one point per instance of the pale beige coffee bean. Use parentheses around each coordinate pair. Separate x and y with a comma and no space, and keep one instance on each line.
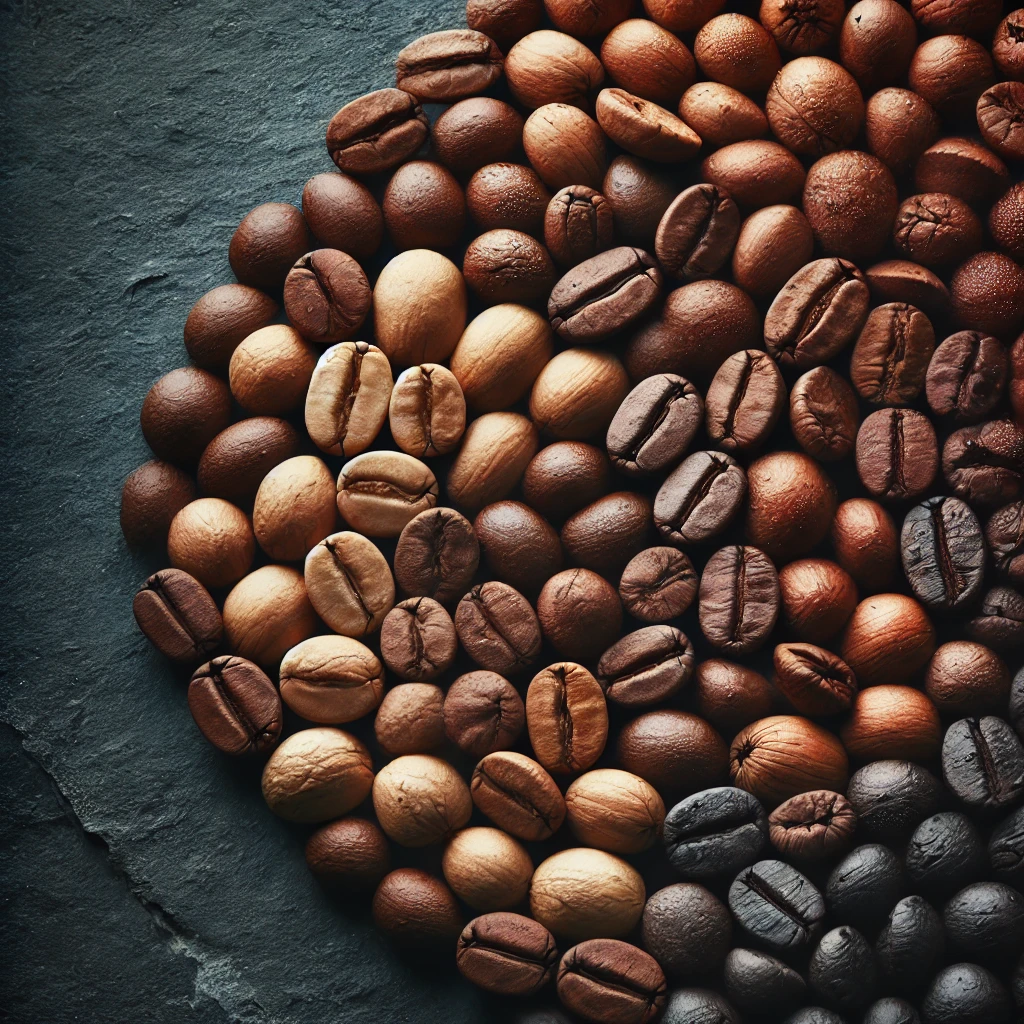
(428,411)
(349,583)
(347,400)
(316,775)
(496,449)
(420,799)
(295,507)
(577,393)
(379,492)
(487,869)
(270,370)
(500,354)
(331,679)
(614,810)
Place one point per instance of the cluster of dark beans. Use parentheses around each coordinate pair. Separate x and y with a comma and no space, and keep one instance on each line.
(662,555)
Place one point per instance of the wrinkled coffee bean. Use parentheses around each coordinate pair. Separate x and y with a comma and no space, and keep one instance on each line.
(966,376)
(760,983)
(376,132)
(865,886)
(965,992)
(417,639)
(842,969)
(646,666)
(608,981)
(983,763)
(944,854)
(1005,535)
(498,628)
(897,454)
(235,705)
(643,128)
(436,555)
(1000,619)
(326,296)
(700,497)
(698,1006)
(444,66)
(1005,851)
(507,954)
(985,922)
(518,795)
(379,492)
(813,680)
(891,356)
(823,414)
(813,826)
(739,599)
(891,798)
(910,944)
(777,905)
(658,584)
(697,232)
(483,713)
(578,225)
(178,616)
(744,401)
(984,464)
(567,717)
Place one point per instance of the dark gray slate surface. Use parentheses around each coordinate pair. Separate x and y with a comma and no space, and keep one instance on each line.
(143,878)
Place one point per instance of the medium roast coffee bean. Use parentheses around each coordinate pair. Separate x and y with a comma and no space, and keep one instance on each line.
(643,128)
(507,195)
(966,678)
(737,50)
(715,833)
(575,396)
(773,244)
(744,401)
(866,544)
(655,424)
(902,281)
(1005,535)
(578,224)
(611,982)
(475,132)
(777,906)
(518,795)
(605,535)
(178,616)
(1000,619)
(739,599)
(498,628)
(865,886)
(910,944)
(687,929)
(998,113)
(349,583)
(891,798)
(416,910)
(507,954)
(269,372)
(944,854)
(508,266)
(891,356)
(823,414)
(565,477)
(966,376)
(699,498)
(410,719)
(239,457)
(818,598)
(813,680)
(638,193)
(424,206)
(731,696)
(897,454)
(427,411)
(349,856)
(269,240)
(552,67)
(985,922)
(331,679)
(965,994)
(487,869)
(235,706)
(984,464)
(222,318)
(380,492)
(604,294)
(183,412)
(567,717)
(667,68)
(614,810)
(417,639)
(578,610)
(892,721)
(658,584)
(420,800)
(212,540)
(1005,851)
(899,126)
(888,638)
(983,763)
(646,666)
(376,132)
(936,230)
(437,555)
(444,66)
(722,115)
(519,546)
(842,969)
(151,497)
(813,826)
(697,232)
(294,508)
(943,553)
(326,296)
(483,713)
(566,146)
(343,214)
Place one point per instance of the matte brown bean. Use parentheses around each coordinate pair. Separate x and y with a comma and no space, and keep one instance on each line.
(823,414)
(235,705)
(427,411)
(744,401)
(498,628)
(658,584)
(376,132)
(891,356)
(444,66)
(178,616)
(897,454)
(697,232)
(567,717)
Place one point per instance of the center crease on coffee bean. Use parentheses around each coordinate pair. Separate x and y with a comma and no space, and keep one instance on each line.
(993,781)
(347,576)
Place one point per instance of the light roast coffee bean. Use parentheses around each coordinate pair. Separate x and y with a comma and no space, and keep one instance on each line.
(376,132)
(697,232)
(739,599)
(646,666)
(744,401)
(349,583)
(178,616)
(427,411)
(518,795)
(498,628)
(380,492)
(897,454)
(507,954)
(658,584)
(699,498)
(437,555)
(235,706)
(331,679)
(417,639)
(823,414)
(567,717)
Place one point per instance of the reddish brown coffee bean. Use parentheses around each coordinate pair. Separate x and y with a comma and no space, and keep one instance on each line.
(819,596)
(552,67)
(801,27)
(755,173)
(608,981)
(1000,113)
(376,132)
(744,401)
(951,72)
(477,131)
(578,224)
(417,639)
(1005,535)
(221,319)
(666,71)
(891,356)
(1016,384)
(498,628)
(564,477)
(737,51)
(866,543)
(519,547)
(518,795)
(773,244)
(578,611)
(813,826)
(264,246)
(643,128)
(658,584)
(342,214)
(987,293)
(638,193)
(416,910)
(235,705)
(508,266)
(566,146)
(902,281)
(877,43)
(424,207)
(505,21)
(327,296)
(483,713)
(973,18)
(721,115)
(731,696)
(508,954)
(966,376)
(608,533)
(897,454)
(646,666)
(506,195)
(966,678)
(410,719)
(813,680)
(984,464)
(899,126)
(963,168)
(589,19)
(823,414)
(444,66)
(182,413)
(178,616)
(238,458)
(936,230)
(1008,45)
(349,856)
(697,232)
(567,718)
(1006,222)
(151,497)
(739,599)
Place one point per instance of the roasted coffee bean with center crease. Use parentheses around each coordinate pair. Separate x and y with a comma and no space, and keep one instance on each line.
(1005,535)
(235,705)
(178,616)
(349,583)
(966,376)
(984,464)
(518,795)
(444,66)
(744,401)
(1000,619)
(817,314)
(483,713)
(812,826)
(603,294)
(608,981)
(842,970)
(578,225)
(697,232)
(739,599)
(427,411)
(327,296)
(910,945)
(417,639)
(983,763)
(777,905)
(655,424)
(715,832)
(376,132)
(699,497)
(436,555)
(890,358)
(646,666)
(567,717)
(508,954)
(897,454)
(658,584)
(823,414)
(813,680)
(943,553)
(379,492)
(498,628)
(865,885)
(1000,114)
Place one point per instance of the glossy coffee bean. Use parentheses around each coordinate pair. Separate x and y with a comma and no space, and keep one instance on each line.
(270,238)
(777,906)
(578,610)
(498,628)
(687,929)
(983,763)
(842,970)
(897,454)
(891,798)
(519,547)
(966,678)
(944,854)
(966,376)
(697,232)
(567,717)
(813,680)
(376,132)
(744,401)
(910,944)
(483,713)
(238,458)
(965,994)
(902,281)
(605,535)
(183,412)
(417,639)
(864,886)
(823,414)
(437,555)
(760,983)
(518,795)
(818,598)
(607,981)
(639,193)
(644,128)
(731,696)
(739,599)
(565,477)
(891,1010)
(235,705)
(984,464)
(1005,851)
(813,826)
(646,667)
(698,1006)
(578,224)
(222,318)
(699,498)
(1004,533)
(178,616)
(450,65)
(891,355)
(508,954)
(999,622)
(343,214)
(658,584)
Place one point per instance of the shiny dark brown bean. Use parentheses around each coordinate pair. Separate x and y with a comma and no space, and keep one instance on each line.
(519,546)
(376,132)
(178,616)
(697,232)
(966,376)
(444,66)
(436,555)
(699,498)
(984,464)
(326,296)
(823,414)
(578,225)
(235,705)
(891,356)
(646,666)
(658,584)
(608,981)
(607,534)
(498,628)
(739,599)
(507,954)
(744,401)
(897,454)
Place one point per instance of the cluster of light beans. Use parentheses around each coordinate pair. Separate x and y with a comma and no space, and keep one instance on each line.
(662,554)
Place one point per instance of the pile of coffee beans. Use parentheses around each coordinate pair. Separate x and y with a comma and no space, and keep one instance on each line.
(599,509)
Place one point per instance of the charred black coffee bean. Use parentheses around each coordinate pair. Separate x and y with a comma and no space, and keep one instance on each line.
(777,905)
(983,763)
(985,922)
(814,1015)
(944,854)
(760,983)
(1006,849)
(892,798)
(842,970)
(865,886)
(890,1010)
(965,994)
(910,945)
(698,1006)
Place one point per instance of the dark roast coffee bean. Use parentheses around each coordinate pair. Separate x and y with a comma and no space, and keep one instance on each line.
(519,546)
(444,66)
(864,886)
(327,296)
(715,832)
(739,599)
(842,970)
(966,376)
(436,555)
(891,1010)
(944,854)
(814,1015)
(1017,701)
(178,616)
(1005,535)
(984,464)
(508,954)
(910,945)
(897,454)
(658,584)
(603,294)
(1006,850)
(578,225)
(376,132)
(646,667)
(417,639)
(777,905)
(817,314)
(813,826)
(985,922)
(891,798)
(966,994)
(607,534)
(759,983)
(607,981)
(891,356)
(699,497)
(698,1006)
(697,232)
(983,763)
(1000,620)
(823,414)
(483,713)
(687,929)
(744,401)
(943,553)
(655,424)
(235,705)
(498,628)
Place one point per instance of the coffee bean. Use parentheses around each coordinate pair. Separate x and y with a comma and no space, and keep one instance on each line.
(891,356)
(759,983)
(643,128)
(238,458)
(999,112)
(508,266)
(777,906)
(910,944)
(722,115)
(899,126)
(508,954)
(483,713)
(269,372)
(437,555)
(376,132)
(604,536)
(614,810)
(984,464)
(865,886)
(343,214)
(891,1010)
(813,680)
(715,832)
(566,146)
(416,910)
(565,477)
(813,826)
(235,706)
(944,854)
(937,230)
(444,66)
(578,610)
(1000,619)
(553,67)
(658,584)
(349,856)
(349,583)
(498,628)
(744,401)
(983,763)
(966,678)
(698,1006)
(1005,851)
(646,666)
(772,245)
(331,679)
(410,719)
(897,454)
(265,245)
(966,376)
(655,424)
(183,412)
(842,969)
(687,929)
(567,717)
(731,696)
(891,798)
(966,994)
(427,411)
(823,414)
(739,599)
(151,497)
(518,795)
(178,616)
(223,317)
(611,982)
(326,296)
(817,314)
(380,492)
(1005,535)
(639,193)
(699,498)
(603,294)
(519,546)
(424,206)
(507,195)
(943,553)
(417,639)
(496,449)
(697,232)
(985,922)
(578,225)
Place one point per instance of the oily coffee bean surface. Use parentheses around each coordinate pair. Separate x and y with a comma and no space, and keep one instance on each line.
(697,232)
(823,414)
